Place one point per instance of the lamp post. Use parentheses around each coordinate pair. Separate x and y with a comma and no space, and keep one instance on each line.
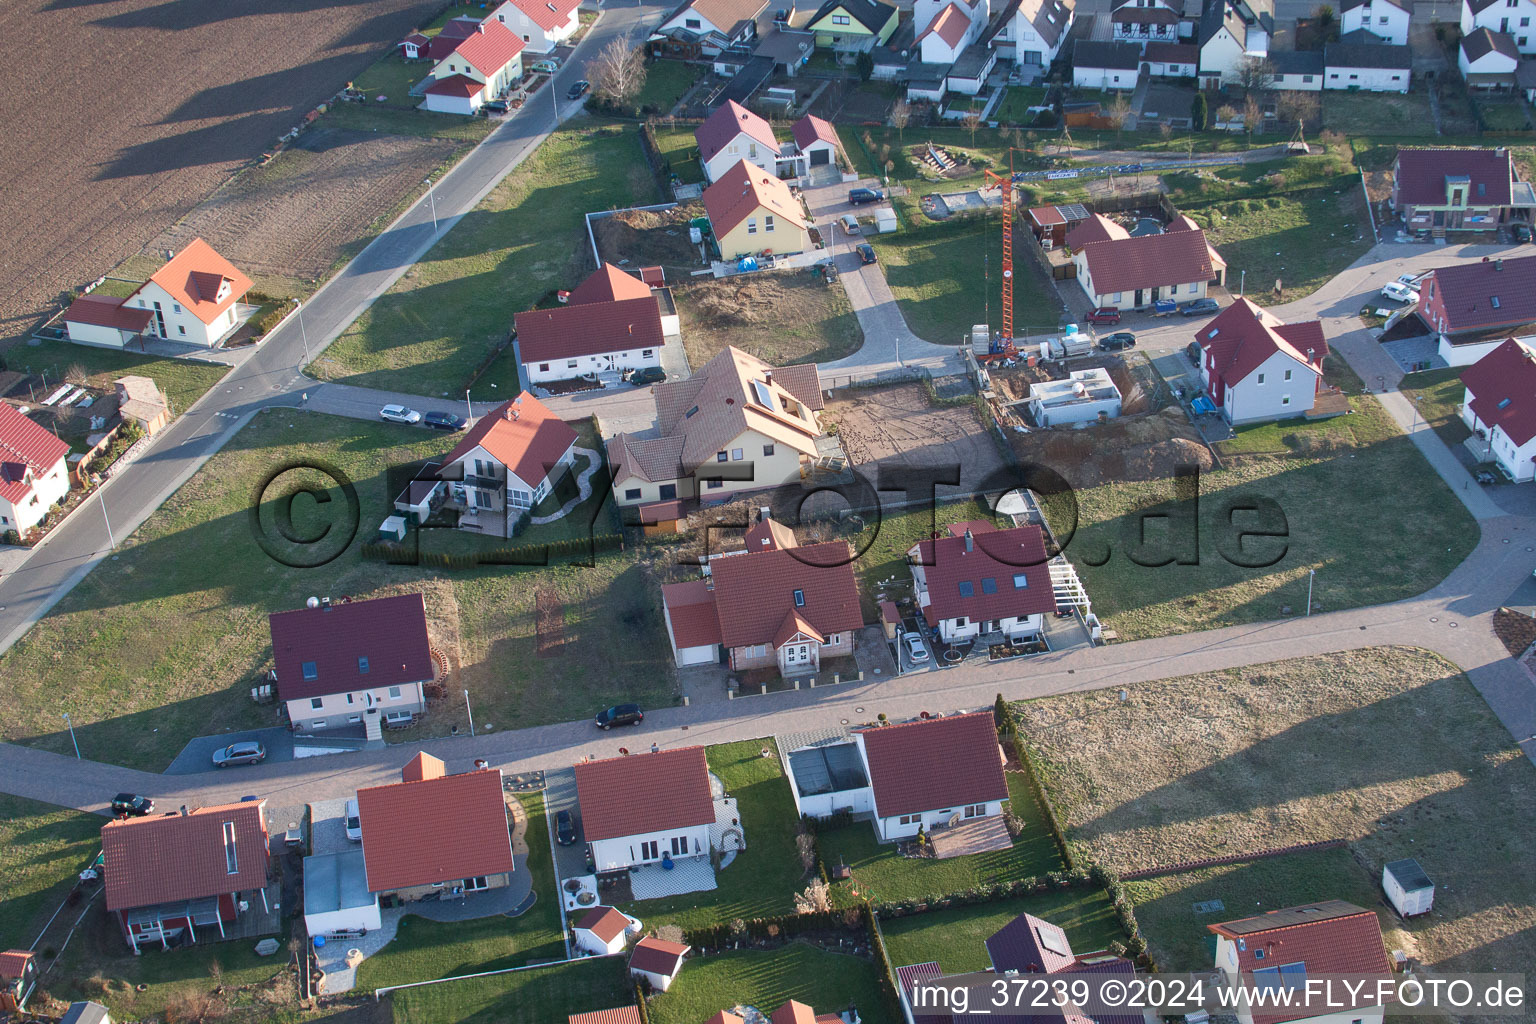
(1310,574)
(1242,283)
(304,334)
(432,202)
(72,735)
(468,408)
(103,499)
(470,713)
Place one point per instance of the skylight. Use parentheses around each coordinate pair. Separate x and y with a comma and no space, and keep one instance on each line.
(1020,581)
(967,588)
(1503,403)
(310,671)
(988,585)
(1495,301)
(764,396)
(690,413)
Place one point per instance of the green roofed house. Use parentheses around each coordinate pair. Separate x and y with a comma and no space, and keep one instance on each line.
(853,26)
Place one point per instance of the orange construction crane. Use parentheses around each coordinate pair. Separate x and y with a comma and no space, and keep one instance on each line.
(1005,183)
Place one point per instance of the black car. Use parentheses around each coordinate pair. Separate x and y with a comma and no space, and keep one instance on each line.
(444,421)
(866,252)
(860,196)
(131,805)
(565,828)
(1195,353)
(495,107)
(1200,307)
(1520,232)
(647,375)
(579,90)
(1118,342)
(620,714)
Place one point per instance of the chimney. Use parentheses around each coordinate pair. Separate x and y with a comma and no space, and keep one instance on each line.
(423,767)
(768,378)
(325,604)
(1498,265)
(480,28)
(183,810)
(970,541)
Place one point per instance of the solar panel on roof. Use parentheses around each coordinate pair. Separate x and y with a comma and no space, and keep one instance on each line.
(1051,941)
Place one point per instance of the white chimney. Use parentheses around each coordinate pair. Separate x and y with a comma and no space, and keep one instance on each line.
(970,541)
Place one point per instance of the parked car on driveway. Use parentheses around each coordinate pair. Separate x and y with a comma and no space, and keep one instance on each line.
(916,652)
(444,421)
(1195,353)
(860,196)
(647,375)
(1200,307)
(1118,342)
(619,714)
(547,66)
(579,90)
(354,821)
(1520,232)
(565,828)
(244,752)
(849,223)
(1399,292)
(399,414)
(1105,315)
(866,252)
(131,805)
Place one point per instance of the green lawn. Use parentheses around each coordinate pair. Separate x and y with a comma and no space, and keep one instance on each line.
(1378,113)
(392,77)
(1439,394)
(372,116)
(182,380)
(424,950)
(1504,115)
(1301,239)
(765,979)
(665,83)
(1177,936)
(681,151)
(540,996)
(956,937)
(42,849)
(1259,180)
(428,332)
(763,879)
(1326,478)
(883,544)
(1016,103)
(137,704)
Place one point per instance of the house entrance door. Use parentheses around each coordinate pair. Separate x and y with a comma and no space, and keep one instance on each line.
(1140,293)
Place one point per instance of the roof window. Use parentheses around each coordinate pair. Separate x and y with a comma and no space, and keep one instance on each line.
(799,599)
(1503,403)
(1495,301)
(967,588)
(988,585)
(691,413)
(1020,581)
(310,671)
(362,664)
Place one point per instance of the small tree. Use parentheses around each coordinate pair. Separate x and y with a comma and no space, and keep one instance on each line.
(864,64)
(1298,107)
(805,846)
(1200,112)
(901,115)
(1255,74)
(972,121)
(75,375)
(1225,115)
(1120,112)
(670,933)
(1324,16)
(1253,114)
(1165,130)
(816,898)
(618,71)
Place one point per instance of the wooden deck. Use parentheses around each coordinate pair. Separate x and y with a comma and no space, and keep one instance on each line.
(975,836)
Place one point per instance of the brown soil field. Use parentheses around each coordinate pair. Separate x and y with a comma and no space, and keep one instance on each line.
(887,430)
(782,317)
(651,238)
(125,114)
(1390,749)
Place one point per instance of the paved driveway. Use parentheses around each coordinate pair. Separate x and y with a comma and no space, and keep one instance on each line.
(197,756)
(560,795)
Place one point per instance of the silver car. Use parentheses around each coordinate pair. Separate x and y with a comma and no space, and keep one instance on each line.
(916,652)
(354,822)
(244,752)
(399,414)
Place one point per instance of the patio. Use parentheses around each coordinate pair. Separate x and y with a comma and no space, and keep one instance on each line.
(653,882)
(978,835)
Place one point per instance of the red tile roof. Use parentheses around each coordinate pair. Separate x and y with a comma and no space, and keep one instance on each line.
(548,14)
(728,121)
(389,632)
(626,796)
(690,607)
(912,975)
(951,25)
(725,1017)
(1243,336)
(13,962)
(661,511)
(26,450)
(793,1012)
(1331,937)
(889,612)
(616,1015)
(657,956)
(194,278)
(107,311)
(1029,944)
(754,592)
(1421,174)
(934,764)
(1148,261)
(1486,294)
(1097,228)
(794,625)
(744,189)
(1046,216)
(1503,386)
(565,332)
(491,48)
(451,34)
(521,434)
(434,830)
(811,129)
(768,535)
(1003,557)
(169,857)
(456,85)
(607,923)
(1173,53)
(609,284)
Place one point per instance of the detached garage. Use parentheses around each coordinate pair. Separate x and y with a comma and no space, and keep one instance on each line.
(692,625)
(336,896)
(105,320)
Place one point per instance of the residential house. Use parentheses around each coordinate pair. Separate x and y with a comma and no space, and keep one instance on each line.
(610,323)
(732,134)
(948,34)
(18,975)
(657,961)
(603,931)
(924,775)
(1134,272)
(815,145)
(1367,67)
(1082,397)
(435,833)
(1145,21)
(185,875)
(780,605)
(105,320)
(615,1015)
(853,26)
(1105,65)
(1094,228)
(1488,60)
(193,298)
(453,32)
(1256,367)
(1297,70)
(645,808)
(33,472)
(909,978)
(752,212)
(481,67)
(140,402)
(1232,32)
(737,425)
(1385,19)
(504,465)
(1438,191)
(981,581)
(1172,60)
(1511,17)
(1285,946)
(705,28)
(1031,32)
(357,665)
(542,25)
(1500,408)
(1475,305)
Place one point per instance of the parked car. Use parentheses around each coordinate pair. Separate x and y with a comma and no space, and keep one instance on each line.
(565,828)
(548,66)
(647,375)
(495,107)
(579,90)
(860,196)
(244,752)
(866,252)
(1520,232)
(444,421)
(1195,353)
(399,414)
(1399,292)
(1105,315)
(1118,342)
(850,223)
(1200,307)
(1409,280)
(619,714)
(131,805)
(354,821)
(916,652)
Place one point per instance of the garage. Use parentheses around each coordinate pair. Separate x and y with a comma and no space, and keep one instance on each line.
(336,896)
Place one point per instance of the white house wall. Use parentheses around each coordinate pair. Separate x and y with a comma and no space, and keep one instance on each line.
(1368,79)
(1518,22)
(594,945)
(346,919)
(742,147)
(1380,19)
(335,712)
(180,323)
(1516,460)
(892,828)
(1104,78)
(535,39)
(602,362)
(1300,83)
(614,854)
(95,334)
(824,805)
(1248,401)
(47,489)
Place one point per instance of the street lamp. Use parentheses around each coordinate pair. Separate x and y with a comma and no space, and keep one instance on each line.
(1242,283)
(103,499)
(470,713)
(72,735)
(1310,574)
(468,408)
(431,201)
(299,306)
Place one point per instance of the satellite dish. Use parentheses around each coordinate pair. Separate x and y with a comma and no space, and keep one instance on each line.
(313,602)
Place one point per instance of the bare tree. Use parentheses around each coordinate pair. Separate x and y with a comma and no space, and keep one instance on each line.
(1165,130)
(1255,74)
(816,897)
(1298,107)
(618,72)
(1225,115)
(972,121)
(901,115)
(1120,111)
(1253,113)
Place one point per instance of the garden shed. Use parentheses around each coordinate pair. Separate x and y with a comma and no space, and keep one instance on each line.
(1408,887)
